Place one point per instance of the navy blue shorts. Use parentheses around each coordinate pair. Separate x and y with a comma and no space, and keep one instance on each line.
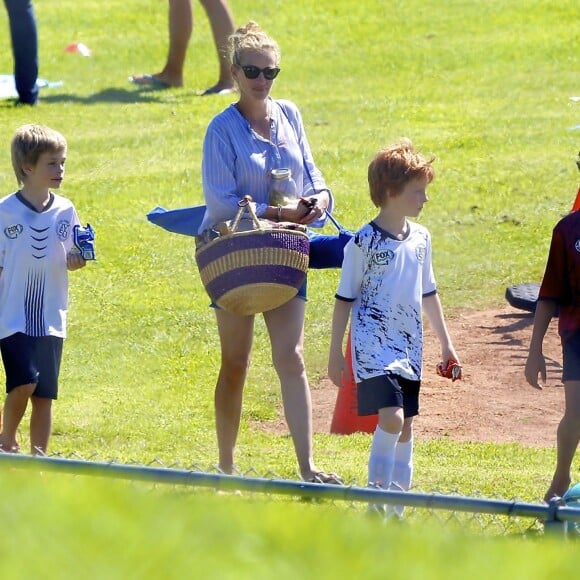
(303,291)
(571,358)
(388,391)
(32,360)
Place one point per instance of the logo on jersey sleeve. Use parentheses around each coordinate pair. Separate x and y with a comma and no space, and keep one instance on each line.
(577,245)
(12,232)
(383,258)
(421,252)
(63,230)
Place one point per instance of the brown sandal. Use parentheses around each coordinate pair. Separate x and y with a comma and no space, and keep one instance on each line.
(328,478)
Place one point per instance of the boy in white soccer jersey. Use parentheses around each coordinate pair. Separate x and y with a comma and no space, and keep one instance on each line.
(386,281)
(36,252)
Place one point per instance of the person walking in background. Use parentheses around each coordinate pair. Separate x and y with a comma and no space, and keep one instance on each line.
(560,291)
(386,282)
(180,30)
(24,36)
(243,146)
(36,252)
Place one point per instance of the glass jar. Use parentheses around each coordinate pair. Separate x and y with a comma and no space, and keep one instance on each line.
(282,187)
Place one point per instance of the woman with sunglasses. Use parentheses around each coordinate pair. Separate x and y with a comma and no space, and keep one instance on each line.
(242,146)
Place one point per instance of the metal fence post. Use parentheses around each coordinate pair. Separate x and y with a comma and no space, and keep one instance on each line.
(553,526)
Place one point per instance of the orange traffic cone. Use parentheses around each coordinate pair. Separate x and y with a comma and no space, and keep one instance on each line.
(576,205)
(346,419)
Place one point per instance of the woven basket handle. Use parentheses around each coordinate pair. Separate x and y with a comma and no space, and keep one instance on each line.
(245,204)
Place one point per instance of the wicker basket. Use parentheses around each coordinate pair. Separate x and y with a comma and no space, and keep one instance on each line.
(246,272)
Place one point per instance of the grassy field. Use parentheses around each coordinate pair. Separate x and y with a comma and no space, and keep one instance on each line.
(100,529)
(484,86)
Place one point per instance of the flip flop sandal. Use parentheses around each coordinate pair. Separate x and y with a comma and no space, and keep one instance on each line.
(328,478)
(15,449)
(149,81)
(219,92)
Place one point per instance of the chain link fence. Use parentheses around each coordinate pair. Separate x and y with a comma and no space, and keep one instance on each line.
(477,515)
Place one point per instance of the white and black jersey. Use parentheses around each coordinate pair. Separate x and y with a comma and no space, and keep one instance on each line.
(387,278)
(33,257)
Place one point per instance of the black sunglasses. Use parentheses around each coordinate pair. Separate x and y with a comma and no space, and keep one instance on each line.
(253,72)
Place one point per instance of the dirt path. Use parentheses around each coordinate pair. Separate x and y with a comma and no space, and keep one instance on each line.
(493,402)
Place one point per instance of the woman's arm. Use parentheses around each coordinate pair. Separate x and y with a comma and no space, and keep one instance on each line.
(219,184)
(336,360)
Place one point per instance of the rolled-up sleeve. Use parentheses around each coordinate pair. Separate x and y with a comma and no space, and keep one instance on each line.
(219,183)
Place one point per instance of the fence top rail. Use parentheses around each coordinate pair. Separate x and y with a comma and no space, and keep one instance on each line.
(223,482)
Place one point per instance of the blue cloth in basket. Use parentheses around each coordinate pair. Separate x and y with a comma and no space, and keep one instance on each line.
(326,251)
(185,220)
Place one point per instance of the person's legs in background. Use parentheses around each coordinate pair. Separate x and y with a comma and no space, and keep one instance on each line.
(180,30)
(24,37)
(222,27)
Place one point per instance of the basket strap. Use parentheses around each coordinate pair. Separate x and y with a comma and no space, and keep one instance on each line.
(338,225)
(307,171)
(245,204)
(253,215)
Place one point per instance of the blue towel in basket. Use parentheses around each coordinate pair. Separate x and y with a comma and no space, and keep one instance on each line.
(326,251)
(185,220)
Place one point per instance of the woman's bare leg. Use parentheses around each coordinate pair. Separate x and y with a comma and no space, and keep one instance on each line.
(236,335)
(286,328)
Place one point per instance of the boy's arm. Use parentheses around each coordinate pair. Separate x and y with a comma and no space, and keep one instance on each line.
(336,360)
(75,261)
(536,364)
(434,312)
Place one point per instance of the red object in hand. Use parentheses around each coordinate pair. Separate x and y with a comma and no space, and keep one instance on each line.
(451,371)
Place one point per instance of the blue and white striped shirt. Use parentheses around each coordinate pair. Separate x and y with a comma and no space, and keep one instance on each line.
(237,161)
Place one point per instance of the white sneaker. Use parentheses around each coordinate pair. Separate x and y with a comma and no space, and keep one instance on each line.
(376,509)
(395,511)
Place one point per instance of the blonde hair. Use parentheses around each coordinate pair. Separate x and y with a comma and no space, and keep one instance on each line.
(393,167)
(251,37)
(29,143)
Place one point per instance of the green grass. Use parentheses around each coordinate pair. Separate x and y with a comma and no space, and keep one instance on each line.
(484,86)
(128,532)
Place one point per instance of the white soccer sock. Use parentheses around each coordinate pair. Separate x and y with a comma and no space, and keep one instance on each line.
(403,469)
(402,474)
(382,458)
